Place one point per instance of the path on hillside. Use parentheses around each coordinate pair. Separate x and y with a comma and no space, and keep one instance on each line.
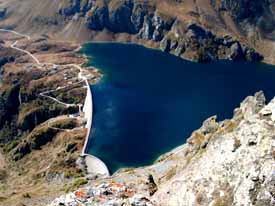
(13,46)
(24,51)
(17,33)
(44,94)
(93,163)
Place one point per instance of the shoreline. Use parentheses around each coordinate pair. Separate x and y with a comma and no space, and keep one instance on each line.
(148,46)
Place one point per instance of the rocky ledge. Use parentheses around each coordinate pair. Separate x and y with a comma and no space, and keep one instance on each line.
(223,163)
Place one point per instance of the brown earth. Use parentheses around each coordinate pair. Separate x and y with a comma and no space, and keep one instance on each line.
(39,143)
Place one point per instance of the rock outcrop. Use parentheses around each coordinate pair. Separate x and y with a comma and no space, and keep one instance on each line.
(223,163)
(147,23)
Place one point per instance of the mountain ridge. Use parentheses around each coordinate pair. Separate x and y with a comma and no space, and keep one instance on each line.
(196,30)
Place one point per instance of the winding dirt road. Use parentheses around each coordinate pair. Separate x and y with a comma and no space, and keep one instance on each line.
(44,94)
(94,164)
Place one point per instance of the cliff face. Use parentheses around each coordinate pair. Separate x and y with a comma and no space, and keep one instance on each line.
(197,30)
(222,163)
(236,167)
(253,13)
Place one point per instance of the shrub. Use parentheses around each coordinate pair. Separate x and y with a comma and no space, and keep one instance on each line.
(9,146)
(26,195)
(237,144)
(76,184)
(73,173)
(220,202)
(71,147)
(79,182)
(3,174)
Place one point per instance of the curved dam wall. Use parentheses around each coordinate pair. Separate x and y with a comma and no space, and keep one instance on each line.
(94,164)
(88,114)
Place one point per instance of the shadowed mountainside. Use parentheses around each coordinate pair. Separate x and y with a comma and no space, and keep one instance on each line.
(201,30)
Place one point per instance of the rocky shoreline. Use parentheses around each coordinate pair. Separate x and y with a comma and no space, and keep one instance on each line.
(223,163)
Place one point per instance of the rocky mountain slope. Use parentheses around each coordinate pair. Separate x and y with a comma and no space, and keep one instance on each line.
(222,164)
(201,30)
(40,138)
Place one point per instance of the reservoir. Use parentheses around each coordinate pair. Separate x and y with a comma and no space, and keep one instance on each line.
(149,102)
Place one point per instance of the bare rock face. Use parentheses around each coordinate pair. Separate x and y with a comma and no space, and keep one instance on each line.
(236,167)
(244,9)
(97,18)
(223,163)
(258,14)
(69,7)
(147,23)
(120,18)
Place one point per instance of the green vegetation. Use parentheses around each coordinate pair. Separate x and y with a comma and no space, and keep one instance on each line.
(9,146)
(220,202)
(6,133)
(171,173)
(76,184)
(73,173)
(3,198)
(72,95)
(237,144)
(66,123)
(8,103)
(26,195)
(33,113)
(41,135)
(3,174)
(71,147)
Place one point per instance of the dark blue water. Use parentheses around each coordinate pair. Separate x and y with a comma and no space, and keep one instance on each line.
(149,102)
